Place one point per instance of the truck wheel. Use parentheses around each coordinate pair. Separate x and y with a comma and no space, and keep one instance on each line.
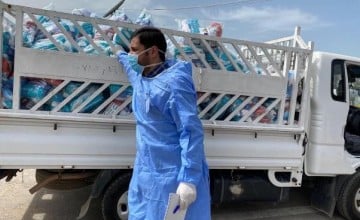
(348,204)
(114,204)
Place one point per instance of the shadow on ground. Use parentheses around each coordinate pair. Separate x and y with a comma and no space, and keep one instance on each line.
(61,205)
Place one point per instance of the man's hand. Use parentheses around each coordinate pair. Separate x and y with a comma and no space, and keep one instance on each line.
(121,57)
(119,52)
(187,193)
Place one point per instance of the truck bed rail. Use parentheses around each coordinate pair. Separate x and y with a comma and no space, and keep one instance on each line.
(70,73)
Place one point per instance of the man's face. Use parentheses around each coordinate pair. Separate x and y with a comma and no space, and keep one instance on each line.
(137,48)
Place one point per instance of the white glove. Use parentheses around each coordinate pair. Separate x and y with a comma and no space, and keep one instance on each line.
(187,193)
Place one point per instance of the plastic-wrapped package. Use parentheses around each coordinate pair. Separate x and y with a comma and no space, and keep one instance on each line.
(191,54)
(171,48)
(7,98)
(117,39)
(70,88)
(88,27)
(104,45)
(114,106)
(204,103)
(290,85)
(258,69)
(53,29)
(82,42)
(54,82)
(7,94)
(225,60)
(272,115)
(109,31)
(7,67)
(43,18)
(32,91)
(54,101)
(258,112)
(245,110)
(120,15)
(96,102)
(286,112)
(232,108)
(77,101)
(83,12)
(7,56)
(46,44)
(35,89)
(29,33)
(217,107)
(189,25)
(144,19)
(223,101)
(126,32)
(8,46)
(50,28)
(213,64)
(70,28)
(215,29)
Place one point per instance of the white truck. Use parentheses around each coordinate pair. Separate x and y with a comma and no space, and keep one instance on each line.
(276,115)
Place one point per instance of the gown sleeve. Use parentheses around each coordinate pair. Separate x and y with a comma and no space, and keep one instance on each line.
(131,74)
(183,109)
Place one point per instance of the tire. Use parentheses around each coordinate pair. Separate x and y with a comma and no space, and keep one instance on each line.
(348,204)
(114,204)
(42,175)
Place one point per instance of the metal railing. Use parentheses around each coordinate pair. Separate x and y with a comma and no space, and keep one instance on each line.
(72,65)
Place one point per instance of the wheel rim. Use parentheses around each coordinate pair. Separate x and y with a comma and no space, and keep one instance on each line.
(122,206)
(357,200)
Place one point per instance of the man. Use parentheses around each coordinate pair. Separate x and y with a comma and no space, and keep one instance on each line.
(169,135)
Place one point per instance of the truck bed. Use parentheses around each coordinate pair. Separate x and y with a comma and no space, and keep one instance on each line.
(253,119)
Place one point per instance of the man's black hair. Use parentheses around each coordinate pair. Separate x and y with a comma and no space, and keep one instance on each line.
(151,36)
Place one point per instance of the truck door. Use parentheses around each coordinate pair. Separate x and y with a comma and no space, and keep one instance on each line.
(352,128)
(325,154)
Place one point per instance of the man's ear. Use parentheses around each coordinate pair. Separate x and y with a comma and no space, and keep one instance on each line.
(154,51)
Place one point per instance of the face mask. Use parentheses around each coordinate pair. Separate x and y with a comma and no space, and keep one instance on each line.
(134,61)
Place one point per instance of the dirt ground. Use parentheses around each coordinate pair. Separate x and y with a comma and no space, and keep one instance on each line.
(18,204)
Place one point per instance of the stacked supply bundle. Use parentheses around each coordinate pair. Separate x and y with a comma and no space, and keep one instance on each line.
(35,89)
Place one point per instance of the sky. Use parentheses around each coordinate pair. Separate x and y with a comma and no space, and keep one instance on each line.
(333,25)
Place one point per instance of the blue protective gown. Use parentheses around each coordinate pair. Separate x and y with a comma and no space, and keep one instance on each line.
(169,142)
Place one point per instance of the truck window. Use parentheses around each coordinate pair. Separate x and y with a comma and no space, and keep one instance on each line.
(338,81)
(353,73)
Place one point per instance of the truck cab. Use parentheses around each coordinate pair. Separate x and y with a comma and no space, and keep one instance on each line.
(332,83)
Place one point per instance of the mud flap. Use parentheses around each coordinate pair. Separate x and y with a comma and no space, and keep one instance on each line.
(324,195)
(101,182)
